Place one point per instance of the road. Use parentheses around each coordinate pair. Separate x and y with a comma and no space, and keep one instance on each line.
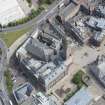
(37,20)
(3,67)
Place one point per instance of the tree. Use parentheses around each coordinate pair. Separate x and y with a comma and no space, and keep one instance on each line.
(77,79)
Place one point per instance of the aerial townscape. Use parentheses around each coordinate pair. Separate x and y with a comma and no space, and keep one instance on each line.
(52,52)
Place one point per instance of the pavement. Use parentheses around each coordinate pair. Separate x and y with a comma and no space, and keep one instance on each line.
(3,67)
(3,100)
(3,58)
(85,56)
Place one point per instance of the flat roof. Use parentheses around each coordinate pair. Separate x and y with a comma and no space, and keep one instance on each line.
(10,11)
(101,9)
(97,22)
(82,97)
(101,67)
(68,10)
(20,93)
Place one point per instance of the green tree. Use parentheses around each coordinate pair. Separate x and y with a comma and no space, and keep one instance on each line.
(77,79)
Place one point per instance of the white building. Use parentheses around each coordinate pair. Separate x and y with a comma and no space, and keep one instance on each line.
(10,10)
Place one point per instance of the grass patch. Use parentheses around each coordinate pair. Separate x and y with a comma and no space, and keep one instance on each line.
(11,37)
(9,81)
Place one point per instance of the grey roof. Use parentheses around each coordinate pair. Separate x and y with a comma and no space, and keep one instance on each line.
(48,28)
(32,64)
(96,22)
(41,99)
(99,36)
(82,97)
(101,67)
(38,49)
(51,72)
(101,9)
(35,43)
(34,99)
(50,41)
(20,93)
(99,70)
(66,12)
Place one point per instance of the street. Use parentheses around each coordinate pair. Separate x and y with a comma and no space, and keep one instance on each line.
(3,67)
